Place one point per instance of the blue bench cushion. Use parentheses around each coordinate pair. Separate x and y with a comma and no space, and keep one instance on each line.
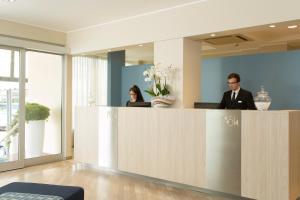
(66,192)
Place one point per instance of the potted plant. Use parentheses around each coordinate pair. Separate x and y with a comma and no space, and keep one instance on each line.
(159,90)
(35,117)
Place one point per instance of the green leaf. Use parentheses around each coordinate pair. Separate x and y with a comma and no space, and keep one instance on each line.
(150,92)
(165,91)
(35,111)
(158,86)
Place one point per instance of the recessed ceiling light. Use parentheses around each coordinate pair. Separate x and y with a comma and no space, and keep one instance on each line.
(140,45)
(293,26)
(272,26)
(109,50)
(212,35)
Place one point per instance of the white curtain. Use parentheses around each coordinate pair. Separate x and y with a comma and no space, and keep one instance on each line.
(89,81)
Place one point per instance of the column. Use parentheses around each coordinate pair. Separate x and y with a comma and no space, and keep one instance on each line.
(185,55)
(115,62)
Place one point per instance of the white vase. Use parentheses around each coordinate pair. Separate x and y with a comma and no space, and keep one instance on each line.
(162,101)
(262,100)
(34,138)
(14,145)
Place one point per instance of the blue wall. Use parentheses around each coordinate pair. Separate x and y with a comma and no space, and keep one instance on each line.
(279,73)
(133,75)
(115,62)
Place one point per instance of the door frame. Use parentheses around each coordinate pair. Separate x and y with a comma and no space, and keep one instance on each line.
(22,162)
(54,157)
(10,165)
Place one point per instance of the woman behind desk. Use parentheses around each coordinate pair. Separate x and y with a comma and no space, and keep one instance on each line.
(135,95)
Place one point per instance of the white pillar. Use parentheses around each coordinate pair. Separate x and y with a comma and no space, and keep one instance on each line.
(68,130)
(185,56)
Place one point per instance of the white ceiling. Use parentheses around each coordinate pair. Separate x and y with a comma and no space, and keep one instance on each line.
(69,15)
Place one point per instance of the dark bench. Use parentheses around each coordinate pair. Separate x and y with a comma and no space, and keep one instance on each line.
(65,192)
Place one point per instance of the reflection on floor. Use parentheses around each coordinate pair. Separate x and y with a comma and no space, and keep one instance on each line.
(101,185)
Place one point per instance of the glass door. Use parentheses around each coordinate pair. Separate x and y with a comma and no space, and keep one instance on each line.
(31,96)
(11,122)
(43,103)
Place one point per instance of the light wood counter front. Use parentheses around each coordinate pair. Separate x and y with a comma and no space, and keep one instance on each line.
(271,155)
(163,143)
(254,154)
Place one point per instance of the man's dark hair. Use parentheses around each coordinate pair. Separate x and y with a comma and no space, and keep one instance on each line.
(234,75)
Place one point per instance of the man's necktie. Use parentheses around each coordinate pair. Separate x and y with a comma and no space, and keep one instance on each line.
(233,97)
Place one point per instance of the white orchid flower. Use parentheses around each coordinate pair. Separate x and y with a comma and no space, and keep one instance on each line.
(146,73)
(151,74)
(147,79)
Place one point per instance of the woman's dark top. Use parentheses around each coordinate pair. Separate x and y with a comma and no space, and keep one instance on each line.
(136,101)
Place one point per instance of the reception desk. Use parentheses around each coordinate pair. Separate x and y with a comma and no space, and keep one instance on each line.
(254,154)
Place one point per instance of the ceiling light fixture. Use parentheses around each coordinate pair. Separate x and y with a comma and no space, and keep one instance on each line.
(140,45)
(272,26)
(212,35)
(109,50)
(293,26)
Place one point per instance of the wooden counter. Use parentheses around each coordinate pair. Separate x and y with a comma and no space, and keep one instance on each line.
(162,143)
(271,155)
(255,154)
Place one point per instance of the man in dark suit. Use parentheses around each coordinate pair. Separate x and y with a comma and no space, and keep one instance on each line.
(236,97)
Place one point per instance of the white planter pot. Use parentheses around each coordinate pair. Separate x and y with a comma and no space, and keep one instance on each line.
(34,138)
(164,101)
(14,144)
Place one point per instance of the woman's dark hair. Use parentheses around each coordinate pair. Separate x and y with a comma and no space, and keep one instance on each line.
(137,91)
(234,75)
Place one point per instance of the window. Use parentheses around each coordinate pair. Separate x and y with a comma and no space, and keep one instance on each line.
(5,57)
(89,81)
